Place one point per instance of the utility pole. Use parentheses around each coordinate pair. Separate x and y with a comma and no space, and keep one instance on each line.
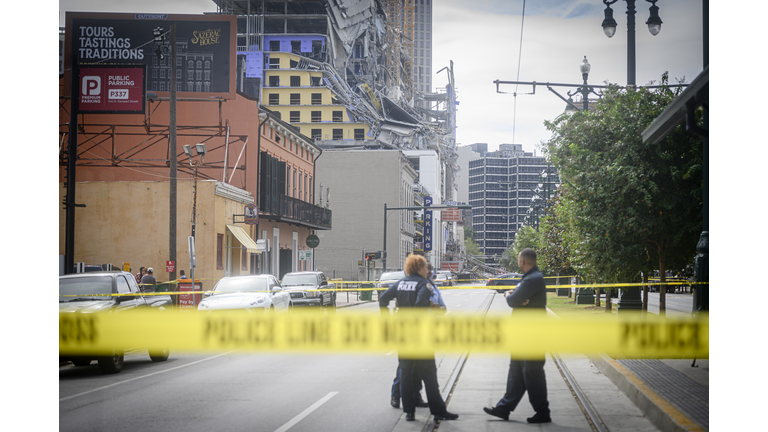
(172,156)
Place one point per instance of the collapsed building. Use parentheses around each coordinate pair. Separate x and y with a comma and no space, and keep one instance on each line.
(349,74)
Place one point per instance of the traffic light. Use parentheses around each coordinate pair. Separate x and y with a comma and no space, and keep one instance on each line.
(370,256)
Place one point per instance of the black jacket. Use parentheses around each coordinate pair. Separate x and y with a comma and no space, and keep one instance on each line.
(410,291)
(531,287)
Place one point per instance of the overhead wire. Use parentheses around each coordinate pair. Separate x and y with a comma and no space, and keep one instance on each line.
(519,58)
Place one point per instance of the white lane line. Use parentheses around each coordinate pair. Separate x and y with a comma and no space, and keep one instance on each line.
(143,376)
(306,412)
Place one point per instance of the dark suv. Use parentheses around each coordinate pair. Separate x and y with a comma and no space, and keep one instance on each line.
(91,292)
(304,286)
(505,282)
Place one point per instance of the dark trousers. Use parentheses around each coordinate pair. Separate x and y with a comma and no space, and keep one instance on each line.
(426,370)
(526,375)
(396,383)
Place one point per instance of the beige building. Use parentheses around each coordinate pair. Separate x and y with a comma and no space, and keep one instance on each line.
(127,222)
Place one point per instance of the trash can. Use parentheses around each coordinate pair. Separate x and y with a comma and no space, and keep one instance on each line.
(368,294)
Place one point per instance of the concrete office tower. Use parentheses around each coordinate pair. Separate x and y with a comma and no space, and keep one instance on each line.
(502,186)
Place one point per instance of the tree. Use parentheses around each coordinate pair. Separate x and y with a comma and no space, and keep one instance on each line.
(629,198)
(526,237)
(554,252)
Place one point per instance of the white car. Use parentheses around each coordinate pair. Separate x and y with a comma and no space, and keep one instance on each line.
(448,276)
(254,293)
(441,280)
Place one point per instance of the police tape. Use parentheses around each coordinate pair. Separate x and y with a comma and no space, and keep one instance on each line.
(413,333)
(357,289)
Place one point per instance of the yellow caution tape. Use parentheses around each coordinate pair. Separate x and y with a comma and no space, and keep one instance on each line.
(413,333)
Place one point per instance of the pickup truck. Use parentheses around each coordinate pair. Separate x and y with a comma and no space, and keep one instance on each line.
(91,292)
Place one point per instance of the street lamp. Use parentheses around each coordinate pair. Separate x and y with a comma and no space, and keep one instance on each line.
(585,88)
(609,27)
(192,153)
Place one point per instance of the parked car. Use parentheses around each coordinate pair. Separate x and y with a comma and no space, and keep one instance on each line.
(388,279)
(441,280)
(253,293)
(303,286)
(504,282)
(90,293)
(448,276)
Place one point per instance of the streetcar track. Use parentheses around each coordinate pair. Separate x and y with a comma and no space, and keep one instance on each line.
(591,415)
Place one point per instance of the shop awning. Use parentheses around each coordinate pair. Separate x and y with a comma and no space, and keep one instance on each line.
(243,238)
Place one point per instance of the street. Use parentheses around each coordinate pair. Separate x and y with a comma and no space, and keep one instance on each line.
(229,391)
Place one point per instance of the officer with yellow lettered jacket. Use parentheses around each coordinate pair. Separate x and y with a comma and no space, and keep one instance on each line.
(413,292)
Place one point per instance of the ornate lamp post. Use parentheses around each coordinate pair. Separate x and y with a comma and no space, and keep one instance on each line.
(609,27)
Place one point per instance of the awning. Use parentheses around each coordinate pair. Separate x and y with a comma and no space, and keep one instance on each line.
(243,238)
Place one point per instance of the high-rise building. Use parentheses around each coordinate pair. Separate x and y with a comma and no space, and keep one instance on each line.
(422,46)
(502,185)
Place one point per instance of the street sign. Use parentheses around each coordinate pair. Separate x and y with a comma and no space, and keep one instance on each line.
(305,255)
(261,245)
(313,241)
(170,267)
(251,214)
(126,266)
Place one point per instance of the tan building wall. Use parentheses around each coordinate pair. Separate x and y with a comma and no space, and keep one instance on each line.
(128,222)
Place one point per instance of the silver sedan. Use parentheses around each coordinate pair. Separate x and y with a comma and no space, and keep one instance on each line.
(253,293)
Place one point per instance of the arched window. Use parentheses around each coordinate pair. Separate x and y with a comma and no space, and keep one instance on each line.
(199,64)
(207,64)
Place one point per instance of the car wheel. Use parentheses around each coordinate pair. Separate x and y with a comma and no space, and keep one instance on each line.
(81,362)
(160,356)
(111,364)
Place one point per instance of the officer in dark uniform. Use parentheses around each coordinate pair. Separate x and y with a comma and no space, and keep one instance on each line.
(526,374)
(413,291)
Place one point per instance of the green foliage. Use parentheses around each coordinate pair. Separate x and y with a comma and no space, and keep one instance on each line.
(526,237)
(554,253)
(471,246)
(626,202)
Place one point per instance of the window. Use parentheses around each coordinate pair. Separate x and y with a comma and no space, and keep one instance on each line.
(274,99)
(316,116)
(198,75)
(219,251)
(314,81)
(317,99)
(199,64)
(295,99)
(274,63)
(337,116)
(207,64)
(295,117)
(316,134)
(274,81)
(244,259)
(294,64)
(338,134)
(274,45)
(296,47)
(359,134)
(295,81)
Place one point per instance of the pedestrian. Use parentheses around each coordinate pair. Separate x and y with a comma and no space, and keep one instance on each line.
(140,274)
(182,275)
(413,292)
(148,279)
(526,374)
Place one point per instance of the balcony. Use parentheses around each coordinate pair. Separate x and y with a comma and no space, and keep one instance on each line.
(281,208)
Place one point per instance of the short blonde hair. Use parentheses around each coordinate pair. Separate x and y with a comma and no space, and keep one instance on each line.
(414,264)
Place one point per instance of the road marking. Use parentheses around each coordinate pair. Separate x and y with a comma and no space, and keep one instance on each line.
(143,376)
(306,412)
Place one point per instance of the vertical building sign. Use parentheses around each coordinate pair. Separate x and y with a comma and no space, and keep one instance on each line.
(427,225)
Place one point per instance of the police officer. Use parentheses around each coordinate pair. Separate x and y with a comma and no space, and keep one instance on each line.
(413,291)
(526,374)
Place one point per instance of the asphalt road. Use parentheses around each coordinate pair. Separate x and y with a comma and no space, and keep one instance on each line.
(231,391)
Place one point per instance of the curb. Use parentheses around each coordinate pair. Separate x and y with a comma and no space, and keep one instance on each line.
(660,412)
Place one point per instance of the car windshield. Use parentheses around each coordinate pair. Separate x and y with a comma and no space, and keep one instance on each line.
(441,276)
(85,288)
(299,280)
(392,276)
(240,285)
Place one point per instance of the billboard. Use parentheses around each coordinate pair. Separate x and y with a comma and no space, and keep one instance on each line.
(205,49)
(106,89)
